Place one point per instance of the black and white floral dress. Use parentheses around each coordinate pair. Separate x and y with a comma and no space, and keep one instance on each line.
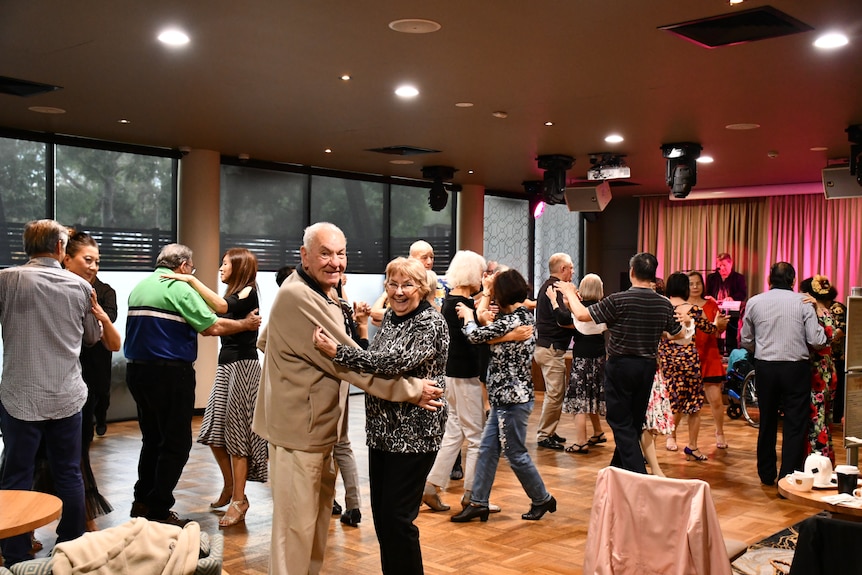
(510,381)
(412,345)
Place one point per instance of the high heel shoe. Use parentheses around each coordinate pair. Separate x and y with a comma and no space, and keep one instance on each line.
(224,498)
(670,444)
(471,512)
(720,442)
(431,498)
(537,511)
(694,454)
(235,513)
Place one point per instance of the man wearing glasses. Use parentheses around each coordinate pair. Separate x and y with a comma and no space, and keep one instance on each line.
(165,317)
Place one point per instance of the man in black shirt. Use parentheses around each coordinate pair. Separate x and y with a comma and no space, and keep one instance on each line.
(636,319)
(552,341)
(724,284)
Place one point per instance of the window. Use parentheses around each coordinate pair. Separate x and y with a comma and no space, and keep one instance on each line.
(263,211)
(22,194)
(412,219)
(124,196)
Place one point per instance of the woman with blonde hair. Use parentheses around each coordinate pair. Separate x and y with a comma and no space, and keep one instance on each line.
(403,438)
(240,453)
(585,394)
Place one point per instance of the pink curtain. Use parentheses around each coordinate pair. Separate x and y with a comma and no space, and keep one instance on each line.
(814,234)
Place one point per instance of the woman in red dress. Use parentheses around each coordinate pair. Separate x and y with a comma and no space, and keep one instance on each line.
(712,369)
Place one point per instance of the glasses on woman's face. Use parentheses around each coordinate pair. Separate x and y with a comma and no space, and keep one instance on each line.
(406,289)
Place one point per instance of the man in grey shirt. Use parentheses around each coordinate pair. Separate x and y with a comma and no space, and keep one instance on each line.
(46,314)
(778,328)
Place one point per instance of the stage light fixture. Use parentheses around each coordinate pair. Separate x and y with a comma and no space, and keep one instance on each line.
(554,181)
(681,169)
(438,195)
(854,134)
(533,189)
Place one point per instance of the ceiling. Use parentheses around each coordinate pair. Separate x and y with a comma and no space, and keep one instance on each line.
(263,78)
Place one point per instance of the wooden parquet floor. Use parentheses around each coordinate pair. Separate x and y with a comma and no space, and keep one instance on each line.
(505,545)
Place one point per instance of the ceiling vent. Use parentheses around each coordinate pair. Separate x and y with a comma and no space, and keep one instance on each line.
(404,150)
(24,88)
(738,27)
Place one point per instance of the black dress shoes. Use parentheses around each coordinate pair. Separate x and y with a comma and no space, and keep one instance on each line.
(336,508)
(471,512)
(537,511)
(351,517)
(558,439)
(549,443)
(139,509)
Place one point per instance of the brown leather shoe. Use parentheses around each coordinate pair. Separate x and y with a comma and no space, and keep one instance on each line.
(171,519)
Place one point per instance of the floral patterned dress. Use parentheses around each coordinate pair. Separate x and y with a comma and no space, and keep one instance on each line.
(680,368)
(823,387)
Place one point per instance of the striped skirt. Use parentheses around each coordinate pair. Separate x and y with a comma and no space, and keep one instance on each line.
(227,419)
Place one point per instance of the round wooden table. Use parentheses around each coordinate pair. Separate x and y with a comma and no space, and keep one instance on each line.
(24,511)
(814,498)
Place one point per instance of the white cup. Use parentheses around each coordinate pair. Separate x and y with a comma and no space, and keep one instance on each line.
(857,493)
(800,481)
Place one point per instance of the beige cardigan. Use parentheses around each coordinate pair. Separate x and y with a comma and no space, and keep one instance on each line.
(136,547)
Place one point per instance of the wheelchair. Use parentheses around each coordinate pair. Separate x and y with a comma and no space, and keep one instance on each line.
(741,389)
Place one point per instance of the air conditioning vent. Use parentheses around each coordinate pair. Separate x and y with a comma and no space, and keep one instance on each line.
(404,150)
(737,27)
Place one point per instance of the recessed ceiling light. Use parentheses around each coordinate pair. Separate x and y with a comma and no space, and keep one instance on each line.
(831,40)
(327,151)
(469,171)
(705,160)
(414,26)
(614,139)
(174,37)
(735,2)
(742,126)
(124,121)
(819,149)
(406,91)
(401,162)
(46,110)
(500,114)
(464,104)
(345,77)
(549,123)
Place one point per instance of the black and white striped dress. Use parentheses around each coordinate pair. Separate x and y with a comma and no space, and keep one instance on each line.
(229,411)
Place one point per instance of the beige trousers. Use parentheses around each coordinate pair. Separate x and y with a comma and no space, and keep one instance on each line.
(303,485)
(553,364)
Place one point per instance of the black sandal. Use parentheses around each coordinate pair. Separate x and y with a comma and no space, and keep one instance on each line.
(583,448)
(596,439)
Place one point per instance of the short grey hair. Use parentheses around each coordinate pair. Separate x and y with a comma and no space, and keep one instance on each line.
(466,269)
(591,288)
(309,236)
(41,236)
(173,256)
(558,260)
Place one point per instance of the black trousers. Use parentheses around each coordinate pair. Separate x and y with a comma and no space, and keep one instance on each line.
(628,383)
(785,386)
(165,397)
(397,481)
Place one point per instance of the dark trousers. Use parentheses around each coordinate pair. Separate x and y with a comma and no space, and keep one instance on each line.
(786,386)
(628,383)
(97,375)
(165,397)
(397,481)
(62,438)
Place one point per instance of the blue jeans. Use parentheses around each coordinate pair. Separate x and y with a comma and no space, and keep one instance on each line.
(63,444)
(506,431)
